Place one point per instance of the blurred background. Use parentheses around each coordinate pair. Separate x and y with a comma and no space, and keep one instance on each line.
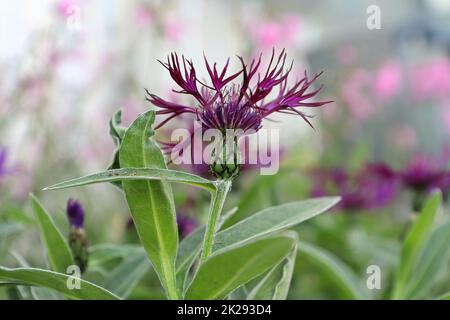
(66,66)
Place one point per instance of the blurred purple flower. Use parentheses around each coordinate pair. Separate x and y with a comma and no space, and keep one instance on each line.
(3,156)
(186,224)
(225,105)
(4,169)
(422,173)
(75,213)
(373,187)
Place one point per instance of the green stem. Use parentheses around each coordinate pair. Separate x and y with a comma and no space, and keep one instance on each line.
(172,292)
(217,202)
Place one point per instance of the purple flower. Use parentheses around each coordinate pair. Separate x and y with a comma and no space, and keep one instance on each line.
(3,158)
(373,187)
(222,104)
(186,225)
(422,174)
(75,213)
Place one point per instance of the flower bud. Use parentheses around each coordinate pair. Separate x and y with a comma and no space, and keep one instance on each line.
(225,158)
(77,238)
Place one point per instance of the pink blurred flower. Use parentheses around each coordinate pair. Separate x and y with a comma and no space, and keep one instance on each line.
(355,94)
(63,7)
(144,16)
(271,33)
(388,79)
(173,29)
(431,79)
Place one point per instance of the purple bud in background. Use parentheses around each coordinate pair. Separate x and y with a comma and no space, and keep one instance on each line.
(75,213)
(186,225)
(3,157)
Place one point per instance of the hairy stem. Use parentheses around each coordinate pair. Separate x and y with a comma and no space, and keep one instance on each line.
(217,202)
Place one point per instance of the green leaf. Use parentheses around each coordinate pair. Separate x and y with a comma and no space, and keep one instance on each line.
(229,269)
(414,243)
(335,270)
(58,252)
(137,174)
(126,276)
(273,219)
(265,222)
(56,281)
(434,260)
(103,253)
(190,247)
(254,198)
(45,294)
(275,285)
(117,132)
(151,202)
(17,215)
(35,292)
(188,251)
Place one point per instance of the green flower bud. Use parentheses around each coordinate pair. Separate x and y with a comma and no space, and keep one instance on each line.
(226,159)
(79,245)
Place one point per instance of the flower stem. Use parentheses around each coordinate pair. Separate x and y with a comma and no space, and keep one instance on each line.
(217,202)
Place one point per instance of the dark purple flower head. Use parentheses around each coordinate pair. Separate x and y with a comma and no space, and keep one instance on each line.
(75,213)
(373,187)
(223,104)
(422,173)
(186,225)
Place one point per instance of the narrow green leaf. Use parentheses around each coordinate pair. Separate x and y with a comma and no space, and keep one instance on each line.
(188,251)
(225,271)
(254,198)
(272,220)
(240,293)
(103,253)
(56,281)
(265,222)
(135,174)
(151,202)
(35,292)
(45,294)
(434,260)
(335,270)
(122,280)
(275,285)
(17,215)
(190,247)
(58,252)
(117,132)
(414,242)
